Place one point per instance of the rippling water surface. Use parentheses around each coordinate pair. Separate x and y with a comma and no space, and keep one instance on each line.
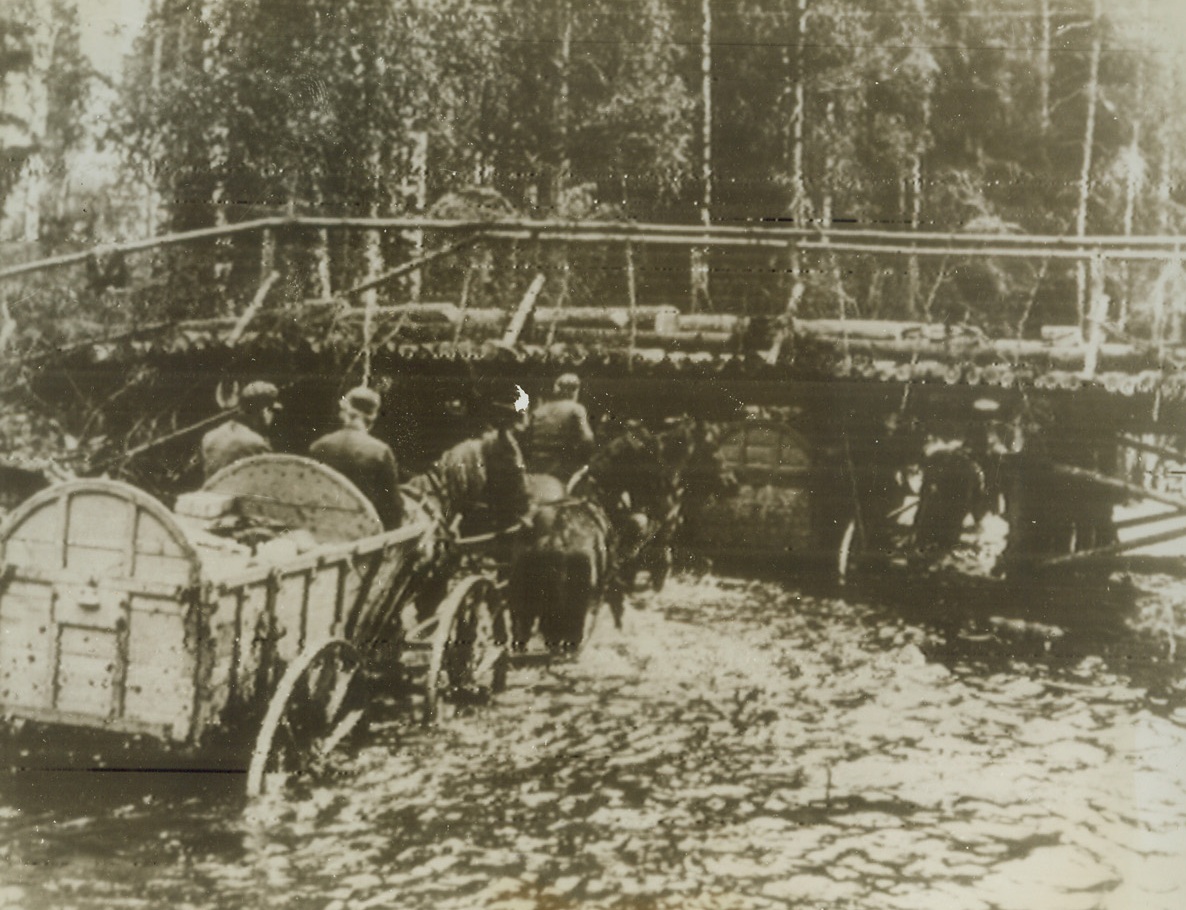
(740,744)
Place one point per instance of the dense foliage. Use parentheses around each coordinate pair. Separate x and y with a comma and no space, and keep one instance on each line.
(44,92)
(989,115)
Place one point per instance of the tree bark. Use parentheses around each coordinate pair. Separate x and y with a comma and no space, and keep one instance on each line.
(1044,69)
(913,278)
(700,276)
(563,106)
(1092,91)
(796,122)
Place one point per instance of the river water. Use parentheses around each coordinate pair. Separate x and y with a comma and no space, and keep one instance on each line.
(740,744)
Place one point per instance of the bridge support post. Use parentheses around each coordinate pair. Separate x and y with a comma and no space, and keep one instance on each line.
(1097,315)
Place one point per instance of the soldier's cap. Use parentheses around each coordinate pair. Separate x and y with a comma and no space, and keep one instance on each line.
(507,398)
(364,400)
(568,382)
(260,394)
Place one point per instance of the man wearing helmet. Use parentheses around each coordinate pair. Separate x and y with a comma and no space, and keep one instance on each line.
(559,439)
(361,458)
(244,433)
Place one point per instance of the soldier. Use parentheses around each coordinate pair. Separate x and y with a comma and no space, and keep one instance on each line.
(243,434)
(364,460)
(506,496)
(559,439)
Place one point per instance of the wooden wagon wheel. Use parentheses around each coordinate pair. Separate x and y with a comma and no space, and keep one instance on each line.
(318,703)
(469,649)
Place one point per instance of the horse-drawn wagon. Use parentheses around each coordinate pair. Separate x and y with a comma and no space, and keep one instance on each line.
(242,628)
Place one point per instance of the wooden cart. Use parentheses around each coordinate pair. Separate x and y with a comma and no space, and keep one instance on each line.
(249,622)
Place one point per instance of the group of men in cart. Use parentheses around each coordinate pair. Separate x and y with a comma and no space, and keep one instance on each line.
(554,438)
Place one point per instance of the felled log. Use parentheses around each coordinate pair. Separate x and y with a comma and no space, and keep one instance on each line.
(707,322)
(882,329)
(1111,356)
(608,317)
(681,340)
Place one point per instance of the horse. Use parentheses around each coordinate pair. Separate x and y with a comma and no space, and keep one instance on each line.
(476,487)
(587,547)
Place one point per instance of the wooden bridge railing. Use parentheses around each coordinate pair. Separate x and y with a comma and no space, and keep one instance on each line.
(1098,252)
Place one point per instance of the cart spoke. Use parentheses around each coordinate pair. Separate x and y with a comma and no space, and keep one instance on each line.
(337,696)
(340,732)
(316,706)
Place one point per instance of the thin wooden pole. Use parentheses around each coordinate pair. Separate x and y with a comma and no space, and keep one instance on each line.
(562,295)
(632,299)
(1140,520)
(133,246)
(1113,549)
(1123,486)
(773,234)
(1084,254)
(411,265)
(248,314)
(770,228)
(526,305)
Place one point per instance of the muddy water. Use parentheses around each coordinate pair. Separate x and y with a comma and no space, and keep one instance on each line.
(742,744)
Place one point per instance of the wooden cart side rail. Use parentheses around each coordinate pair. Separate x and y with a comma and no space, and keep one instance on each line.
(320,556)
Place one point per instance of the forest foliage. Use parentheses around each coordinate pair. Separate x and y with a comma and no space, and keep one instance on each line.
(1021,116)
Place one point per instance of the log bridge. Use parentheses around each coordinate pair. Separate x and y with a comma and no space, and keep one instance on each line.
(813,408)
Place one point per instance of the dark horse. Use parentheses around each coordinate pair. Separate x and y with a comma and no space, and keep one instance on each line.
(477,487)
(586,547)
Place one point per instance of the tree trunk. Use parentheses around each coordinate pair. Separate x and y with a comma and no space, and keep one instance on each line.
(1092,90)
(325,288)
(913,278)
(1131,187)
(375,266)
(1165,184)
(563,106)
(1044,70)
(826,221)
(420,202)
(795,142)
(706,102)
(800,202)
(700,276)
